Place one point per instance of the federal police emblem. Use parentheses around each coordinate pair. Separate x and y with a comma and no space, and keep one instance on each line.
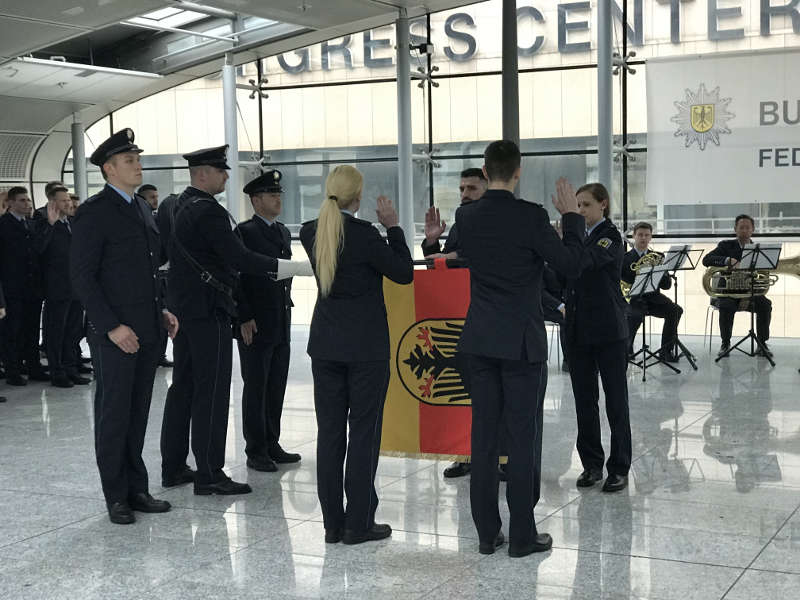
(426,362)
(604,242)
(702,117)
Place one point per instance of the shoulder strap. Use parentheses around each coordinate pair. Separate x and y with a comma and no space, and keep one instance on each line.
(205,276)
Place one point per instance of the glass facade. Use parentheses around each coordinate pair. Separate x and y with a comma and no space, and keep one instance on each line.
(335,103)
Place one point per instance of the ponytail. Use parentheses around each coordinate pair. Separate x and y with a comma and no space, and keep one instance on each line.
(342,188)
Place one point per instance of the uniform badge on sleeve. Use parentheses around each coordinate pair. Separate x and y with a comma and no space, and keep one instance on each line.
(604,242)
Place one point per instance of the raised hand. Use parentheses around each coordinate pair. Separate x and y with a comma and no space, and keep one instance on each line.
(387,215)
(53,214)
(434,226)
(565,200)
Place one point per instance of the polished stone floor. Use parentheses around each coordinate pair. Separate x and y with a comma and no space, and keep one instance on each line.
(711,512)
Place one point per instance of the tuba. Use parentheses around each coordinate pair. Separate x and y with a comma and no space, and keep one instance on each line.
(651,258)
(724,282)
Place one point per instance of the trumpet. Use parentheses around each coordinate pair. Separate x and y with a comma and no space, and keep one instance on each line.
(651,258)
(724,282)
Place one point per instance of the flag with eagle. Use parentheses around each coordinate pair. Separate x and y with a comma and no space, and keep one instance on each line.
(427,411)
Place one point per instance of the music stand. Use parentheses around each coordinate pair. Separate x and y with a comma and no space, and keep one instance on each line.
(681,258)
(755,257)
(647,281)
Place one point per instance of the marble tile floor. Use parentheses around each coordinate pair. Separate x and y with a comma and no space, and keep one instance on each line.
(711,512)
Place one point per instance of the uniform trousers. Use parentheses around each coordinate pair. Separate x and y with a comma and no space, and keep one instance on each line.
(656,305)
(610,360)
(200,396)
(508,398)
(124,386)
(22,334)
(762,306)
(348,393)
(64,325)
(265,368)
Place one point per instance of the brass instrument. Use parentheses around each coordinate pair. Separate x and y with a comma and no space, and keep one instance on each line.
(725,282)
(651,258)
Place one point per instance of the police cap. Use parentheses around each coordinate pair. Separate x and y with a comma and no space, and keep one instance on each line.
(213,157)
(120,142)
(269,182)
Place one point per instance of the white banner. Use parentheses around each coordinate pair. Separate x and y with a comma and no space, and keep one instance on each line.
(724,128)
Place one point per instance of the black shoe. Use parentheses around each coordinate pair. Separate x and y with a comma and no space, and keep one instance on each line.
(121,514)
(541,543)
(565,366)
(84,370)
(376,532)
(17,380)
(262,463)
(724,347)
(38,375)
(78,379)
(223,487)
(280,456)
(165,362)
(615,483)
(502,472)
(61,381)
(458,469)
(588,478)
(490,547)
(3,399)
(186,475)
(333,536)
(144,502)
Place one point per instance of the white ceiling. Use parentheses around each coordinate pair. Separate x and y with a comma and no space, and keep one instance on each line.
(67,82)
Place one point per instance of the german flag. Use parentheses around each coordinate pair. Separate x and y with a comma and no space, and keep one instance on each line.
(427,412)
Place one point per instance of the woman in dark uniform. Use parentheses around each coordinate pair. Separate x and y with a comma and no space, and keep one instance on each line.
(597,334)
(349,349)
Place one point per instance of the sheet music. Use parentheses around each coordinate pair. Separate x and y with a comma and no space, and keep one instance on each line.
(647,280)
(675,257)
(759,256)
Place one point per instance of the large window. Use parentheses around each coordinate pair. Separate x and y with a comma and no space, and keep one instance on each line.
(335,102)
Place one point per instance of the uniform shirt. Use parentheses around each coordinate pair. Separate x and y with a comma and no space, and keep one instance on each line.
(596,309)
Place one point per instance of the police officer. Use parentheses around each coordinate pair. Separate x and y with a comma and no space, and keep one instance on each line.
(205,258)
(505,340)
(655,303)
(21,277)
(113,264)
(597,338)
(265,316)
(471,187)
(64,314)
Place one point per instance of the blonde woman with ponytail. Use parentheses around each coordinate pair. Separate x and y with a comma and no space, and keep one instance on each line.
(349,349)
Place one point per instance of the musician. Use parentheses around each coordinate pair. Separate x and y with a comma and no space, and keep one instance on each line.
(597,335)
(727,254)
(655,304)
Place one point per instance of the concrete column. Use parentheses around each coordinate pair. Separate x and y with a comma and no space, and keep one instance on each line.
(510,73)
(405,176)
(605,98)
(232,188)
(81,183)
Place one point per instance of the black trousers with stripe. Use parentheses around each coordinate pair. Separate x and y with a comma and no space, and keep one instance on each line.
(348,394)
(200,396)
(124,387)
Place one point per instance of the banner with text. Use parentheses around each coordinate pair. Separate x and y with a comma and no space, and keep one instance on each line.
(723,128)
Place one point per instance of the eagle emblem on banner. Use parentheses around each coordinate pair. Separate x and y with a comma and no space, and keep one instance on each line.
(426,362)
(702,117)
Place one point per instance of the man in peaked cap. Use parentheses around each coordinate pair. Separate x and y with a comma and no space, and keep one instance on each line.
(205,257)
(264,321)
(114,260)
